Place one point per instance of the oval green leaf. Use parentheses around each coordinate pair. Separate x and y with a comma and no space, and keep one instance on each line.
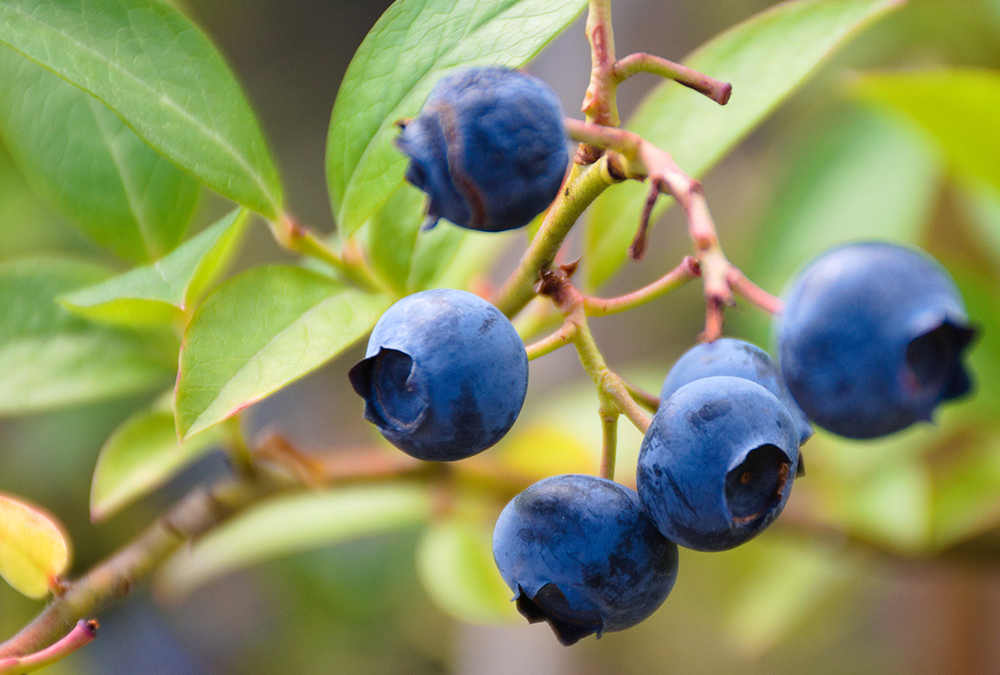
(406,52)
(160,293)
(455,564)
(291,525)
(161,75)
(51,358)
(33,549)
(259,331)
(958,108)
(765,59)
(140,456)
(123,194)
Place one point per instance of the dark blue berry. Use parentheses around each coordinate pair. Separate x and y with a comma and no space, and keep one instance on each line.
(717,463)
(580,553)
(735,358)
(488,147)
(872,339)
(445,375)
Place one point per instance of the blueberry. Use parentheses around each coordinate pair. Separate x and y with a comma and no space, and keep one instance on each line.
(445,375)
(736,358)
(872,338)
(488,147)
(579,552)
(717,463)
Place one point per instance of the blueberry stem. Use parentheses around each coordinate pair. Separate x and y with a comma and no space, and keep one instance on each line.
(549,344)
(641,62)
(648,401)
(581,188)
(599,102)
(83,633)
(672,280)
(609,447)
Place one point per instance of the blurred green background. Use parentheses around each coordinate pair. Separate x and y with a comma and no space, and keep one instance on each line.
(887,559)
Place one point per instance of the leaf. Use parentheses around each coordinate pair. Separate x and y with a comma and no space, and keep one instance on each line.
(788,584)
(50,358)
(140,456)
(861,176)
(765,59)
(121,193)
(33,549)
(956,107)
(455,564)
(290,525)
(445,257)
(404,55)
(259,331)
(160,74)
(160,293)
(966,499)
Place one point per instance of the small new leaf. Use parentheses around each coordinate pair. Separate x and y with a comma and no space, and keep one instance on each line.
(33,549)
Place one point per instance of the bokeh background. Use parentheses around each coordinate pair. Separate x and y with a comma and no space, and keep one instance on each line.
(888,557)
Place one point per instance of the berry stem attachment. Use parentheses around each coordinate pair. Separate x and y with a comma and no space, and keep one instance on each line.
(640,62)
(549,344)
(609,448)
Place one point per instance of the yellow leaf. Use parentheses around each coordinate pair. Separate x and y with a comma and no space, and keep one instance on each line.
(33,549)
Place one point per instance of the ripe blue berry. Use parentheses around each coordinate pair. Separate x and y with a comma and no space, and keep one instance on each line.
(736,358)
(445,375)
(872,338)
(488,147)
(579,552)
(717,463)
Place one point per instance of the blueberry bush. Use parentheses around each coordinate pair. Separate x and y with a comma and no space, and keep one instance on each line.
(198,452)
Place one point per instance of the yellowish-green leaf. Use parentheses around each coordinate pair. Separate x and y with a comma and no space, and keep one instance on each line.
(958,108)
(142,454)
(292,524)
(160,293)
(33,549)
(455,563)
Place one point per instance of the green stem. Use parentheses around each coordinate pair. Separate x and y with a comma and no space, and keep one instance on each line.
(642,397)
(298,239)
(582,188)
(549,344)
(609,449)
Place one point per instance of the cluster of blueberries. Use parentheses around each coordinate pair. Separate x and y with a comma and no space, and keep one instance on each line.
(870,341)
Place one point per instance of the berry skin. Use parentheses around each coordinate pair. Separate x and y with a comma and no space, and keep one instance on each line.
(871,339)
(445,375)
(736,358)
(579,552)
(488,147)
(717,463)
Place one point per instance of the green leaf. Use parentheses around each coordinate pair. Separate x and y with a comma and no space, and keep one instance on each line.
(160,293)
(121,193)
(163,77)
(444,257)
(404,55)
(455,564)
(259,331)
(956,107)
(765,59)
(141,455)
(966,498)
(51,358)
(861,176)
(294,524)
(33,549)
